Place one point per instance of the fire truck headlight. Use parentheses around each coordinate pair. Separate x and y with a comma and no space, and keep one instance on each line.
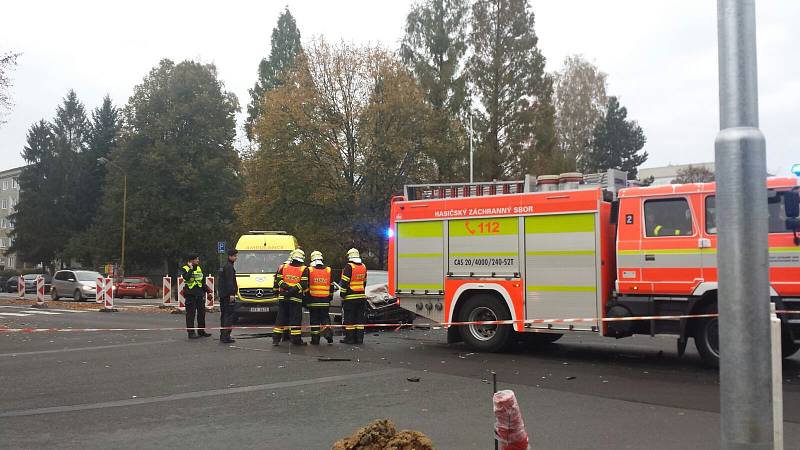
(796,169)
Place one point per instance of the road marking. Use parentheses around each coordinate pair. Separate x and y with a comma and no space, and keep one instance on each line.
(47,313)
(28,309)
(97,347)
(14,314)
(191,395)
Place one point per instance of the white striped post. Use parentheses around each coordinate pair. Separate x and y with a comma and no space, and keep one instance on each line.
(166,293)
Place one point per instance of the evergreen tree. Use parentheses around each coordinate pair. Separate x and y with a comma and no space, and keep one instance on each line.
(507,71)
(176,147)
(103,134)
(285,45)
(433,48)
(35,215)
(616,142)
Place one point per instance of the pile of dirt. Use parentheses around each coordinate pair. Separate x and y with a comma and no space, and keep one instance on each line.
(383,435)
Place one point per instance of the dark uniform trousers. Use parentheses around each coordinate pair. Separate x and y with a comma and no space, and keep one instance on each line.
(353,315)
(195,306)
(319,314)
(227,316)
(290,317)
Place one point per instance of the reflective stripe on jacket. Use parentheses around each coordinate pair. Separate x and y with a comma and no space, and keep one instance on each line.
(319,282)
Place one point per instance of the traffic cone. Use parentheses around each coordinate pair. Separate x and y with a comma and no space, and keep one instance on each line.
(509,429)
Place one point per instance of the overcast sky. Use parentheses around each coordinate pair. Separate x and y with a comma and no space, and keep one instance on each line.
(660,57)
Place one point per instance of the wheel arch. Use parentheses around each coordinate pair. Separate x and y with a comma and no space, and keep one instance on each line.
(467,290)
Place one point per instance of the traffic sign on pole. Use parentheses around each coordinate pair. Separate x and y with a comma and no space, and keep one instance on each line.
(221,247)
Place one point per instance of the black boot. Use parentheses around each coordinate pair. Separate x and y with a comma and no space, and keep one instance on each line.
(359,336)
(328,334)
(276,338)
(349,337)
(314,339)
(286,336)
(225,337)
(297,340)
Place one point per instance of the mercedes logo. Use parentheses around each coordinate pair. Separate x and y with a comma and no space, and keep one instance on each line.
(259,293)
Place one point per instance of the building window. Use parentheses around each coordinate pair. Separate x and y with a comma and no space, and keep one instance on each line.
(3,204)
(2,242)
(11,262)
(5,185)
(14,183)
(668,217)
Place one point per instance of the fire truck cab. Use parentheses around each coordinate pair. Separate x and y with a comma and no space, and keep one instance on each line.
(546,251)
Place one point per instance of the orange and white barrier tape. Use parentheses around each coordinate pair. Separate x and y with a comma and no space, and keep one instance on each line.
(433,326)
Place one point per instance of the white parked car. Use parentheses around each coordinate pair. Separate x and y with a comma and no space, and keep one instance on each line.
(76,284)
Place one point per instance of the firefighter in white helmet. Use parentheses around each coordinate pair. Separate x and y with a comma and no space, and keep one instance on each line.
(292,288)
(318,300)
(354,280)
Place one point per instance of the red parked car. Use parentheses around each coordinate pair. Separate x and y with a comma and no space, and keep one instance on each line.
(135,287)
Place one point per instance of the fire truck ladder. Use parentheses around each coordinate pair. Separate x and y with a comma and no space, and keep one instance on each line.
(611,181)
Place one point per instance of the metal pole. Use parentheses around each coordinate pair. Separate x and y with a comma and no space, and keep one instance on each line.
(124,220)
(470,149)
(494,391)
(742,258)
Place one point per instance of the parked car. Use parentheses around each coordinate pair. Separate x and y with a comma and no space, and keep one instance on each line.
(3,281)
(11,284)
(135,287)
(76,284)
(30,282)
(381,307)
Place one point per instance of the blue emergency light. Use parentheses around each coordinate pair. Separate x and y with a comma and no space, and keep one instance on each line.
(389,233)
(796,169)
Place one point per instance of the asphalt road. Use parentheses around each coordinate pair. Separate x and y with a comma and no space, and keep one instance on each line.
(160,390)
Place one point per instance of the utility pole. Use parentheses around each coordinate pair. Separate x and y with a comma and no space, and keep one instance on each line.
(103,160)
(742,256)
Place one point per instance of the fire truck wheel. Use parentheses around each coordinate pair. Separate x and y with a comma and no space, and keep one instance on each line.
(487,338)
(706,337)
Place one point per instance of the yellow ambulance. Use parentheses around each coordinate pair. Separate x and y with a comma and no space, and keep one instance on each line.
(260,255)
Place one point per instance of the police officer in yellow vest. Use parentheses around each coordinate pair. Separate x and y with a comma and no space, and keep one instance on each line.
(194,291)
(319,297)
(354,280)
(293,288)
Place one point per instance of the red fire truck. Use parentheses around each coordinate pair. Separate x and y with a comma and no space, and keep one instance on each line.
(575,246)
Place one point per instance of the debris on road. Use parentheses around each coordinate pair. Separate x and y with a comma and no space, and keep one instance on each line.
(382,435)
(326,359)
(413,379)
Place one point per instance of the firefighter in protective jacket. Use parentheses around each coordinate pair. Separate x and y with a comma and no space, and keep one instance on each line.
(354,280)
(293,287)
(320,293)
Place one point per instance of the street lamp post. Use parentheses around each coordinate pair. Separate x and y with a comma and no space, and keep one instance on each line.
(103,160)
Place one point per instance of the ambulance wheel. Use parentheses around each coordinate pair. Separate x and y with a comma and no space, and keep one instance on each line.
(706,337)
(487,338)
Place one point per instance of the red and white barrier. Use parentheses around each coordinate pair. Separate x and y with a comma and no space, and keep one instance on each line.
(40,292)
(108,296)
(21,287)
(100,289)
(181,298)
(166,293)
(210,293)
(509,429)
